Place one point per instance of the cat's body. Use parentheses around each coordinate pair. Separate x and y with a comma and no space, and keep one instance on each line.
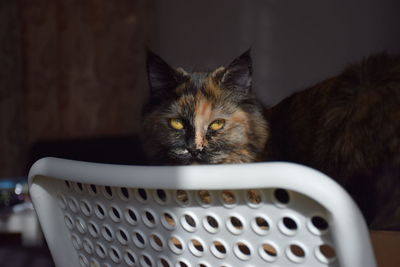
(347,127)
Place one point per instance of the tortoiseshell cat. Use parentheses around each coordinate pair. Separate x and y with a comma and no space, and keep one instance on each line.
(203,117)
(347,127)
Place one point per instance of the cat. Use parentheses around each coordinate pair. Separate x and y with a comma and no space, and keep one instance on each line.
(203,117)
(348,126)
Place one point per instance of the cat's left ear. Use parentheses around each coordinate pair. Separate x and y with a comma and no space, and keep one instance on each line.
(238,75)
(163,79)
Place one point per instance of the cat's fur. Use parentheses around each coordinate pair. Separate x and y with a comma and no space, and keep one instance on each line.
(198,99)
(349,128)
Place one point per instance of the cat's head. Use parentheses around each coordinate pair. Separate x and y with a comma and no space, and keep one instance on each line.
(202,117)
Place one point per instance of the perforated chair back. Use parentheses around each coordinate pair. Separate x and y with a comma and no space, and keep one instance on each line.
(261,214)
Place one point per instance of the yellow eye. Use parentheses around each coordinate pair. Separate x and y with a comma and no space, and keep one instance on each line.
(217,124)
(177,124)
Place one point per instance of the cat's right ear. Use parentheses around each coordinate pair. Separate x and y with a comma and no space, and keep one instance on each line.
(238,75)
(163,79)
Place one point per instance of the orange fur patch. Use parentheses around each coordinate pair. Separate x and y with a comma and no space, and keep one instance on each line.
(240,117)
(181,88)
(212,88)
(186,100)
(204,108)
(203,114)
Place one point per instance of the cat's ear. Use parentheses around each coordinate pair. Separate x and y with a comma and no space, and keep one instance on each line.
(238,75)
(162,77)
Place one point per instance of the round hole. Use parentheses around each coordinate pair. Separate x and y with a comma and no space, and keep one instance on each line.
(234,225)
(253,197)
(80,225)
(182,197)
(146,261)
(131,216)
(73,204)
(188,222)
(204,197)
(62,201)
(218,249)
(211,224)
(100,250)
(107,233)
(176,245)
(83,261)
(281,196)
(149,219)
(295,253)
(268,252)
(260,225)
(228,198)
(79,187)
(124,193)
(325,253)
(108,192)
(183,264)
(161,196)
(289,223)
(130,258)
(122,236)
(115,214)
(139,240)
(318,225)
(92,189)
(86,208)
(76,241)
(141,195)
(115,255)
(88,246)
(168,221)
(288,226)
(196,247)
(93,229)
(69,222)
(156,242)
(100,211)
(242,251)
(163,262)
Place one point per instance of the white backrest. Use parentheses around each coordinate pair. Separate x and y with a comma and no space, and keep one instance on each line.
(260,214)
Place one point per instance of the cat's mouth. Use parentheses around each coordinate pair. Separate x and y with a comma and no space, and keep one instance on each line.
(186,157)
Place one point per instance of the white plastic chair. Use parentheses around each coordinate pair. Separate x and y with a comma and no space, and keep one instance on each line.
(260,214)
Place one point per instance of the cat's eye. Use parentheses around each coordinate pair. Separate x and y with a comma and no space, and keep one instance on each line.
(217,124)
(177,124)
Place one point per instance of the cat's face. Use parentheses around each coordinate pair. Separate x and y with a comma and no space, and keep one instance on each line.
(202,117)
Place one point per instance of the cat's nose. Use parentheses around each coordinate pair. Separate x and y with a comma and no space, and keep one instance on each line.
(194,151)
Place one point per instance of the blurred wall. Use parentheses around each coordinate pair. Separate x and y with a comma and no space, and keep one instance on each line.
(84,66)
(12,104)
(294,43)
(69,69)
